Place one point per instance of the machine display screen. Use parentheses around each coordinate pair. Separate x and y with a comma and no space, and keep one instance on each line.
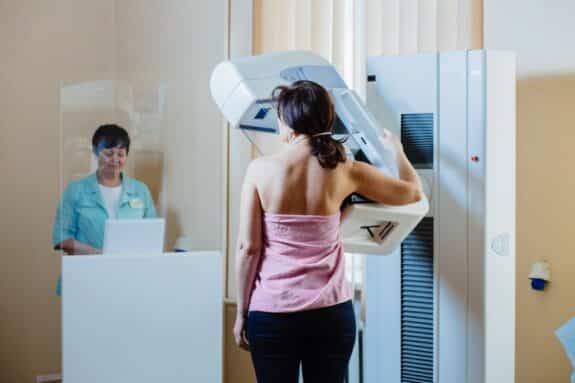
(261,114)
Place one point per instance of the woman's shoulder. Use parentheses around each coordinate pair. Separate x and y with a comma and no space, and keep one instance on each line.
(77,190)
(135,185)
(79,185)
(346,166)
(264,163)
(262,168)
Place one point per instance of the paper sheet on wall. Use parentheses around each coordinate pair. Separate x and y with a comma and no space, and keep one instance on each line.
(566,335)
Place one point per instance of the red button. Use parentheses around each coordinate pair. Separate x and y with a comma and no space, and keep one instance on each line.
(475,158)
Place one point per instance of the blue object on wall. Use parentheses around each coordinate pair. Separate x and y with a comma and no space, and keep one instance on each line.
(538,284)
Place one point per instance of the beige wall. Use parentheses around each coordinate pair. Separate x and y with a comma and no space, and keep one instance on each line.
(176,44)
(541,34)
(43,44)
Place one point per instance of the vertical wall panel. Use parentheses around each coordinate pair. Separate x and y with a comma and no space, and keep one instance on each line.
(408,26)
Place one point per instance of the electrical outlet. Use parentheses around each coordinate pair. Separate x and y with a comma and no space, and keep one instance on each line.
(48,378)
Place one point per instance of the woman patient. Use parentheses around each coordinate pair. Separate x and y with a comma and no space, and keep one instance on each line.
(294,305)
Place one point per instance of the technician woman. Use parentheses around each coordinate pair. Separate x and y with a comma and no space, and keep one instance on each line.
(107,193)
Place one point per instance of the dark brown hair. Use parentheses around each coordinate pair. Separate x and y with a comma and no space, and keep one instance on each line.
(306,107)
(110,136)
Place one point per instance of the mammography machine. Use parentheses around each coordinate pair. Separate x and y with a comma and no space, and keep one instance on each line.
(242,89)
(440,306)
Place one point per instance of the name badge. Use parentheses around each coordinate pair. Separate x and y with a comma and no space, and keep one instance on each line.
(136,203)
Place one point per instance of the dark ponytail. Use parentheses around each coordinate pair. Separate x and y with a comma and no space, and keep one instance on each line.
(329,151)
(306,107)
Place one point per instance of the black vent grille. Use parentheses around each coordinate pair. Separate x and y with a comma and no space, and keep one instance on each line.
(417,138)
(417,304)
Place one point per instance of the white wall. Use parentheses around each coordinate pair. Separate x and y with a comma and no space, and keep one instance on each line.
(541,33)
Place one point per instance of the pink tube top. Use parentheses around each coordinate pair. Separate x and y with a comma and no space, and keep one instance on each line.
(302,265)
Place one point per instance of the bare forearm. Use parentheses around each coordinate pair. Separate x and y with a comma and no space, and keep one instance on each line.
(246,268)
(406,171)
(74,247)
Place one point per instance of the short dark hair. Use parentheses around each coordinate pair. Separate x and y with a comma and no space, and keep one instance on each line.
(306,107)
(110,136)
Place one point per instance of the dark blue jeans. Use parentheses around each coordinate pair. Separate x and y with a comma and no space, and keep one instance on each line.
(320,340)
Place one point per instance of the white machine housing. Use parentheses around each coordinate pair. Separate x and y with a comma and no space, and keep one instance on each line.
(441,308)
(242,89)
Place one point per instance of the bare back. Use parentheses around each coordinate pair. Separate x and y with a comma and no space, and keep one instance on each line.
(293,182)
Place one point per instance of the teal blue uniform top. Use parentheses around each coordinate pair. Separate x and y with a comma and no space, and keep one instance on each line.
(82,213)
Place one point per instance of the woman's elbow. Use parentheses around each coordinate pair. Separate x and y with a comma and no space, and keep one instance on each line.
(416,195)
(67,246)
(248,249)
(410,194)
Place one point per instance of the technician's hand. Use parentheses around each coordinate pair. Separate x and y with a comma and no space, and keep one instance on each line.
(240,334)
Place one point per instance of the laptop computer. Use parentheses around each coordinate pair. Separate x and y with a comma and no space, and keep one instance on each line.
(134,236)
